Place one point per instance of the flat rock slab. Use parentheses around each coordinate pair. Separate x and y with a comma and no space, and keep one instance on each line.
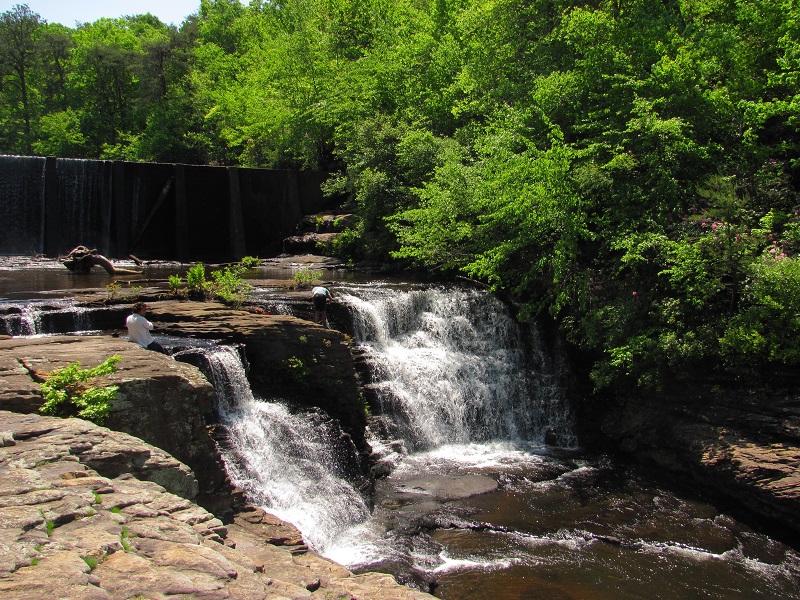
(159,400)
(448,487)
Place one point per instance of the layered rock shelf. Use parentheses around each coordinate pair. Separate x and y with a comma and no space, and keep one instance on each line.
(740,449)
(81,517)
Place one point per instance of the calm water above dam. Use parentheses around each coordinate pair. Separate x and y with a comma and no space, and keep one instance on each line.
(477,505)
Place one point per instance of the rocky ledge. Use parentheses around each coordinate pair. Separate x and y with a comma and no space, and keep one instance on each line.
(739,448)
(161,401)
(169,404)
(77,520)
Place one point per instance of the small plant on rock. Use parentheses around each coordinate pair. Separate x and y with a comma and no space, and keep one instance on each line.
(175,283)
(67,393)
(113,289)
(297,370)
(228,285)
(196,279)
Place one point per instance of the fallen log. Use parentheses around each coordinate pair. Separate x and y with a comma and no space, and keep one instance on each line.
(81,260)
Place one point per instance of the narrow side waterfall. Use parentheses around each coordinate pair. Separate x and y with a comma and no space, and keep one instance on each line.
(285,462)
(38,318)
(451,366)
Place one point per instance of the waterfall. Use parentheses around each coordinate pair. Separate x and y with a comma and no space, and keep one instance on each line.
(24,319)
(37,318)
(285,462)
(22,204)
(451,366)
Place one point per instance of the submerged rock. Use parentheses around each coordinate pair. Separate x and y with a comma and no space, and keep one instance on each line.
(448,487)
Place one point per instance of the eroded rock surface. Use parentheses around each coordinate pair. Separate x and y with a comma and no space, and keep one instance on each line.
(159,400)
(73,526)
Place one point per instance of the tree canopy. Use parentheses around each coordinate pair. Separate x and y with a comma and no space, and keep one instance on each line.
(628,167)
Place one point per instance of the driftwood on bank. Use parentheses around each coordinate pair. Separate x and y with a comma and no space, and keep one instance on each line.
(81,260)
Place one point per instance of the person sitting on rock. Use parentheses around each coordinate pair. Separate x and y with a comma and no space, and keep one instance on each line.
(139,329)
(320,296)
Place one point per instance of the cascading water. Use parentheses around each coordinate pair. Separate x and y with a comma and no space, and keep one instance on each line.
(285,462)
(22,204)
(451,366)
(85,193)
(36,318)
(482,508)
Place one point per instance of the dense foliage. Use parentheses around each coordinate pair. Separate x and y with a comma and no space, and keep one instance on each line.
(628,166)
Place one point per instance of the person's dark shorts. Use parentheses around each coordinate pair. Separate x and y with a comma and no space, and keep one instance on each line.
(156,347)
(319,302)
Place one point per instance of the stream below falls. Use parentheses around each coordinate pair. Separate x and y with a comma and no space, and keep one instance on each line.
(475,504)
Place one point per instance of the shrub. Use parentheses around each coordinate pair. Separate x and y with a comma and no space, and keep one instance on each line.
(67,394)
(196,278)
(305,276)
(175,282)
(228,284)
(113,289)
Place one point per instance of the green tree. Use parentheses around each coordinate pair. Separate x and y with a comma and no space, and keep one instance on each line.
(19,29)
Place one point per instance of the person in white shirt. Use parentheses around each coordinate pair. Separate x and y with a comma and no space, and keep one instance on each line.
(320,296)
(139,329)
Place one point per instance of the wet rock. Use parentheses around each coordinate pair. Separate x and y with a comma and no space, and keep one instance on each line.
(742,449)
(446,487)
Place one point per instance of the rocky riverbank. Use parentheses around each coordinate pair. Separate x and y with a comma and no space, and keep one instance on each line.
(82,517)
(94,512)
(741,448)
(735,446)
